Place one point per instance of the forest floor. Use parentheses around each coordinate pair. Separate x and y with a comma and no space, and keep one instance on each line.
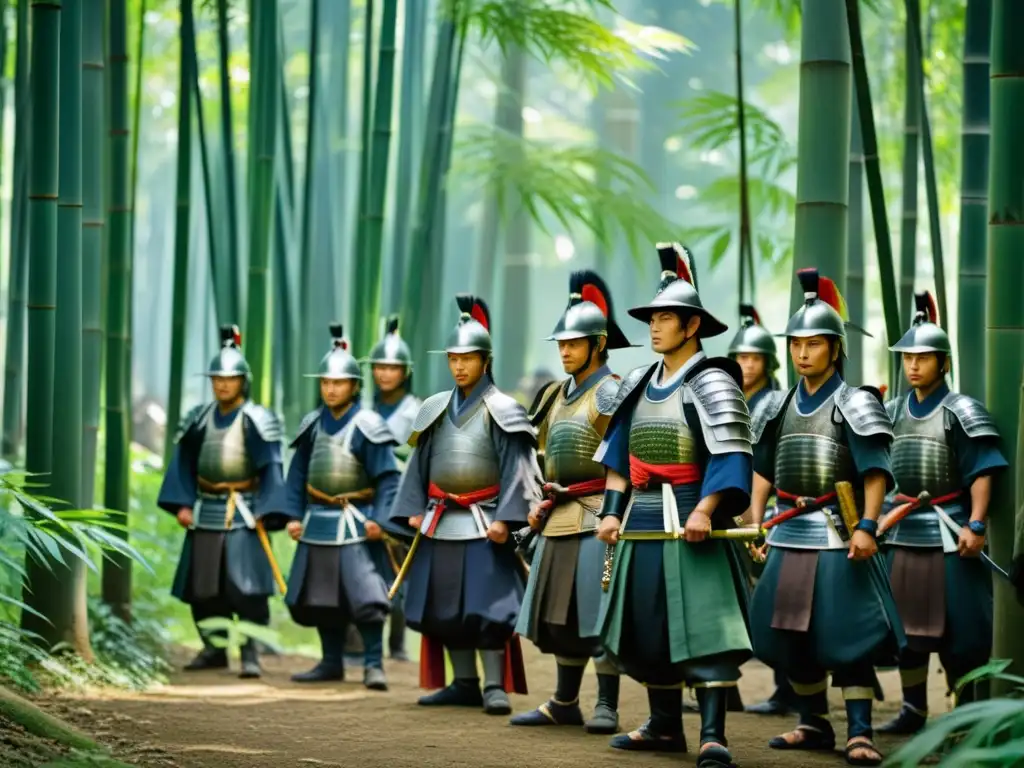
(215,720)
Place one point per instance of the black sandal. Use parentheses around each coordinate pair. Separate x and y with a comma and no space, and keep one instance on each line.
(814,740)
(862,742)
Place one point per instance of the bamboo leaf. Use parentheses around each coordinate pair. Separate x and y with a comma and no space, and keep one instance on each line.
(720,246)
(994,667)
(23,606)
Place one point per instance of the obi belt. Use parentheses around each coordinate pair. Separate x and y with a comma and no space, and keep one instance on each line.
(335,520)
(224,506)
(679,483)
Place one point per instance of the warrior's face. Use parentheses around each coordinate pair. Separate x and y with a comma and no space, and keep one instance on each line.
(753,366)
(813,356)
(576,354)
(467,368)
(227,389)
(668,332)
(388,377)
(922,369)
(337,393)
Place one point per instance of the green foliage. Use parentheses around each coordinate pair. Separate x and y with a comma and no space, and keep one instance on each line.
(238,632)
(563,182)
(710,124)
(983,733)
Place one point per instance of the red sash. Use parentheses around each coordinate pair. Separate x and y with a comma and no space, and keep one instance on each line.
(641,474)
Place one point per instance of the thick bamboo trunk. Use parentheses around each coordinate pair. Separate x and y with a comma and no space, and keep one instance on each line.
(117,569)
(855,293)
(182,228)
(911,158)
(824,144)
(264,102)
(17,275)
(974,131)
(747,275)
(410,129)
(49,598)
(311,170)
(360,280)
(95,144)
(1004,317)
(233,306)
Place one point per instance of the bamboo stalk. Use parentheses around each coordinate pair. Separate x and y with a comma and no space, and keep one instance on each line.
(1004,318)
(360,284)
(17,280)
(855,293)
(233,308)
(117,423)
(746,252)
(263,98)
(911,158)
(140,47)
(42,300)
(974,132)
(93,164)
(876,193)
(410,127)
(931,185)
(182,230)
(312,134)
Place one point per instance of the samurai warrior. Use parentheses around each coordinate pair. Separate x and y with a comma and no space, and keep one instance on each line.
(945,451)
(393,400)
(471,478)
(563,596)
(225,486)
(341,482)
(823,601)
(753,347)
(678,458)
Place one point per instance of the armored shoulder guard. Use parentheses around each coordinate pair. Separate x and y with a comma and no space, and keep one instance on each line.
(192,420)
(766,411)
(724,418)
(631,382)
(306,425)
(267,425)
(863,411)
(542,403)
(607,392)
(431,409)
(892,407)
(972,415)
(507,413)
(373,427)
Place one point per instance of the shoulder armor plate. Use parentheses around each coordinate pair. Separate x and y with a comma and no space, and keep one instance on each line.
(724,417)
(892,407)
(307,424)
(607,392)
(766,411)
(192,419)
(542,402)
(631,382)
(507,413)
(431,409)
(863,412)
(972,415)
(373,427)
(267,425)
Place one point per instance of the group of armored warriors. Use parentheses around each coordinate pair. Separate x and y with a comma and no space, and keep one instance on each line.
(621,520)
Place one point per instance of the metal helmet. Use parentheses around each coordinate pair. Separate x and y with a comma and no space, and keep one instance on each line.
(229,361)
(823,312)
(925,335)
(338,363)
(589,312)
(473,331)
(392,349)
(677,290)
(754,338)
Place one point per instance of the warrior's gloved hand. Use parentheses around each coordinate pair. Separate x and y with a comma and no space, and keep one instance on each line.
(498,532)
(373,531)
(185,517)
(970,543)
(294,529)
(416,521)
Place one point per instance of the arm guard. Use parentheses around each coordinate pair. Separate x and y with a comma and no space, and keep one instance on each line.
(972,415)
(724,418)
(863,412)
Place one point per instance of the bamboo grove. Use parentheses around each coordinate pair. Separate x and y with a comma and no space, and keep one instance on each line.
(338,207)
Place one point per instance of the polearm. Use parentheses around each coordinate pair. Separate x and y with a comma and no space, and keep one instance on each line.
(400,576)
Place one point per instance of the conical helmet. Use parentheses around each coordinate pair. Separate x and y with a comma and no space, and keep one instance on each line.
(925,335)
(589,312)
(392,349)
(338,363)
(473,331)
(229,361)
(677,290)
(754,338)
(823,312)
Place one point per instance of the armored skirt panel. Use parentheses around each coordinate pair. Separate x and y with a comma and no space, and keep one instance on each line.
(217,564)
(675,612)
(463,590)
(332,585)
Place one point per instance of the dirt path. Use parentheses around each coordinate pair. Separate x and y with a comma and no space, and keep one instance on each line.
(214,720)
